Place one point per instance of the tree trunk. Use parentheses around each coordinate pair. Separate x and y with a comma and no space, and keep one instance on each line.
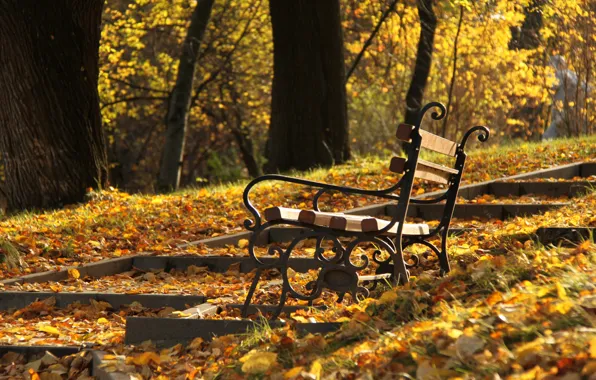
(309,124)
(241,134)
(51,137)
(247,151)
(453,71)
(180,98)
(428,24)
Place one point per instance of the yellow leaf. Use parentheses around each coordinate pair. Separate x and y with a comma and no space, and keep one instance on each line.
(561,293)
(388,297)
(256,362)
(48,329)
(562,307)
(145,358)
(242,243)
(593,348)
(294,372)
(33,374)
(74,273)
(316,369)
(102,321)
(454,333)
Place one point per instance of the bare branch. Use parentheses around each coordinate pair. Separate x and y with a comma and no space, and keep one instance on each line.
(370,39)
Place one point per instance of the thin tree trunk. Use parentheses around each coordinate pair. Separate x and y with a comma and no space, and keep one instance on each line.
(51,136)
(309,124)
(180,98)
(370,39)
(428,25)
(454,71)
(241,133)
(247,151)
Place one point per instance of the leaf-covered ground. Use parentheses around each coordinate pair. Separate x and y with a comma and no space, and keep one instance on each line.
(114,223)
(510,308)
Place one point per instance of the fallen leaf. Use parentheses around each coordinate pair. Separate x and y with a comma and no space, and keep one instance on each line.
(316,369)
(293,373)
(33,374)
(561,293)
(256,362)
(49,329)
(74,273)
(467,345)
(145,358)
(388,297)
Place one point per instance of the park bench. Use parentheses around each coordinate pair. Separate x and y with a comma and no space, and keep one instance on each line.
(339,273)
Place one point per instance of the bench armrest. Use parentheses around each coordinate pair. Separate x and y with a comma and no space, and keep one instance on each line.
(251,225)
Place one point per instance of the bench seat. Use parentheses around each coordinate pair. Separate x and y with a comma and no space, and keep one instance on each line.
(342,222)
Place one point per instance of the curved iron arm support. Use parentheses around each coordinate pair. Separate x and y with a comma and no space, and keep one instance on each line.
(482,137)
(393,197)
(381,194)
(435,115)
(251,225)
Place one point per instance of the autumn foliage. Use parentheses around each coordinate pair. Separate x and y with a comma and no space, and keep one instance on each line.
(506,88)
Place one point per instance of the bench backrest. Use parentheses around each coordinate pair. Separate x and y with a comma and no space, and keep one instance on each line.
(417,139)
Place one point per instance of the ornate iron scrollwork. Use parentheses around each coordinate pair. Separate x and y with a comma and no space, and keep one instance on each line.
(337,271)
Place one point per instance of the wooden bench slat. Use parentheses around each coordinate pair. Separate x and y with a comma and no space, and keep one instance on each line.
(276,213)
(374,277)
(429,140)
(438,143)
(374,224)
(341,221)
(434,172)
(437,166)
(425,170)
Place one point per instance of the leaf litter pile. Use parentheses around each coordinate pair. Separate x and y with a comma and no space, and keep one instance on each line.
(510,308)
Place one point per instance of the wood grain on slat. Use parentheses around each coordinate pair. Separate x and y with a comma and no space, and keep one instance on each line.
(438,143)
(316,217)
(432,165)
(374,224)
(434,172)
(429,140)
(276,213)
(374,277)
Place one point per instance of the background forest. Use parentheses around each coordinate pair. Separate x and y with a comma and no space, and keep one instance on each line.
(491,64)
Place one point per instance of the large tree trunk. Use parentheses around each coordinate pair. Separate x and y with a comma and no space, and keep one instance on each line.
(51,139)
(180,99)
(309,124)
(428,25)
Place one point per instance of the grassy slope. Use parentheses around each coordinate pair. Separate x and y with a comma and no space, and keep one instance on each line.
(510,306)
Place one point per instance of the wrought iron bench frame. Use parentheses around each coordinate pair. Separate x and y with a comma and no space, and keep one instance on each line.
(339,273)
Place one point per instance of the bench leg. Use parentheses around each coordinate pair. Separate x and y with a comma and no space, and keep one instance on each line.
(251,292)
(400,274)
(443,257)
(282,302)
